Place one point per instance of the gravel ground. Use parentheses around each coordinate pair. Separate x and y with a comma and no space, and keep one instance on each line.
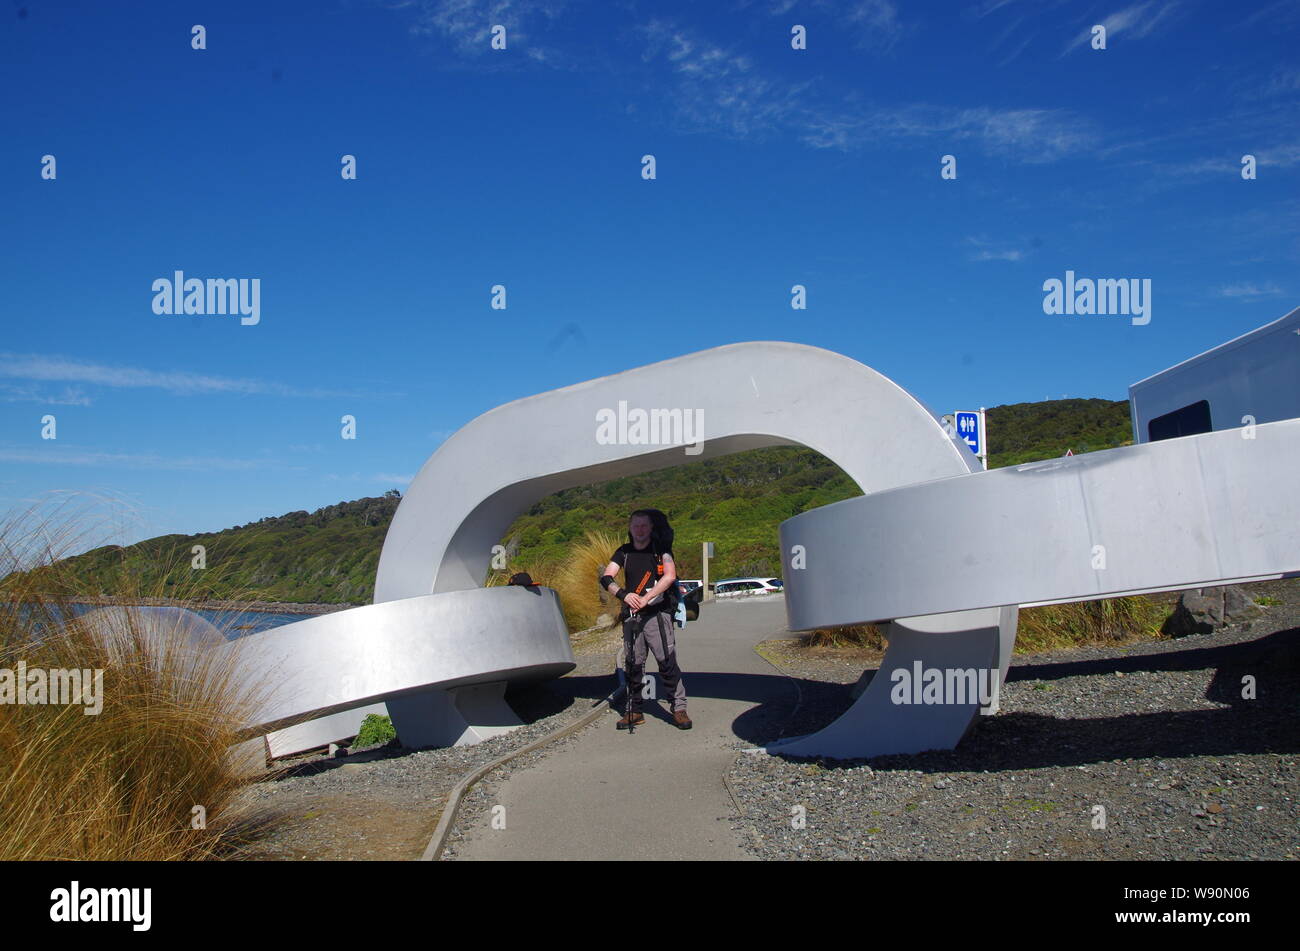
(383,803)
(1154,733)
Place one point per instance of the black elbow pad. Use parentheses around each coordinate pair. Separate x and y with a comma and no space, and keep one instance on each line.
(605,582)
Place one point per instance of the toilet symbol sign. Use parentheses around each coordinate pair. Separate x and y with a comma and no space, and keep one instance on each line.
(968,430)
(972,429)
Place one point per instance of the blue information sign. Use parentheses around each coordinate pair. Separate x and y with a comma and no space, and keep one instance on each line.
(968,430)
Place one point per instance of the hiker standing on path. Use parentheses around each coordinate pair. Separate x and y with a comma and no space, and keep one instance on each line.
(650,577)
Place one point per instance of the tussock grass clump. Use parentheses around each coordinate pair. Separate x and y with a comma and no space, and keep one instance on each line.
(574,579)
(122,783)
(866,636)
(1083,623)
(577,579)
(1089,623)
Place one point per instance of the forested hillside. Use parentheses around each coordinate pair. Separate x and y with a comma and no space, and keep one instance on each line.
(329,556)
(1026,432)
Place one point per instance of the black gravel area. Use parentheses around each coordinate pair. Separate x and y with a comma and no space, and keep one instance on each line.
(1153,737)
(383,803)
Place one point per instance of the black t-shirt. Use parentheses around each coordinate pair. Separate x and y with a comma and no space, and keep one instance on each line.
(635,562)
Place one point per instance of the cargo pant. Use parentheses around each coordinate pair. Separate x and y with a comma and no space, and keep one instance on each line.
(656,631)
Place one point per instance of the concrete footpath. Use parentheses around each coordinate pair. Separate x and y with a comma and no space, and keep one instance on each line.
(659,793)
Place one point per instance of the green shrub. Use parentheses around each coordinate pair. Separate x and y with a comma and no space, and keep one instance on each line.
(374,729)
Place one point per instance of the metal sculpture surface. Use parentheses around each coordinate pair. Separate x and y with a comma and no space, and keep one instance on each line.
(438,650)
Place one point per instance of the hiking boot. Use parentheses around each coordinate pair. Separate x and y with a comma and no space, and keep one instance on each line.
(630,719)
(681,720)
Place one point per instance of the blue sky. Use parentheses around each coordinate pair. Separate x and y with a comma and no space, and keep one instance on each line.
(522,167)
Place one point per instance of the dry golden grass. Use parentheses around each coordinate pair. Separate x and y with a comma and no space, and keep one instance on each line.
(577,581)
(1100,623)
(122,784)
(866,636)
(574,580)
(1095,623)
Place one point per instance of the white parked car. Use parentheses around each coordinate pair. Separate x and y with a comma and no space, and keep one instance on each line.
(731,587)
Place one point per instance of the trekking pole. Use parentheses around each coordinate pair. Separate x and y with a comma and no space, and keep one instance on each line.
(627,687)
(628,651)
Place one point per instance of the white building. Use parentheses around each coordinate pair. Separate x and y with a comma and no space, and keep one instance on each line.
(1255,375)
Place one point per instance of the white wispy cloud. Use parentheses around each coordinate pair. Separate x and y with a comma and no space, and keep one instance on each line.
(866,24)
(70,396)
(987,7)
(1026,39)
(55,455)
(382,477)
(1282,82)
(981,10)
(715,87)
(1135,22)
(468,24)
(1281,156)
(876,21)
(1278,14)
(1284,155)
(1028,135)
(985,250)
(47,368)
(1042,134)
(1250,290)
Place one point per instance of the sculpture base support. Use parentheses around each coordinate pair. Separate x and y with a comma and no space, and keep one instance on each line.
(459,716)
(322,731)
(250,757)
(456,717)
(876,725)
